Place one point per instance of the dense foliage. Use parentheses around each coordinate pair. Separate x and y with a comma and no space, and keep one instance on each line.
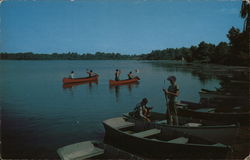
(236,52)
(65,56)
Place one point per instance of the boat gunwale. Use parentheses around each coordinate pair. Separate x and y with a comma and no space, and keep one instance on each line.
(114,82)
(232,125)
(76,80)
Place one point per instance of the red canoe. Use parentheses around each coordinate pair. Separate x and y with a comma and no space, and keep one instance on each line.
(126,81)
(77,80)
(71,85)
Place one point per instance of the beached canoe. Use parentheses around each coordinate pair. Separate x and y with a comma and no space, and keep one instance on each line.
(226,106)
(232,116)
(77,80)
(214,131)
(158,143)
(93,150)
(210,94)
(126,81)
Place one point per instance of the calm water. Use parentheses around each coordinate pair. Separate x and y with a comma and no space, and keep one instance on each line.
(39,115)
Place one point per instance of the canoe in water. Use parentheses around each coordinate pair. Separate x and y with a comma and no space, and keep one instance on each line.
(126,81)
(83,79)
(71,85)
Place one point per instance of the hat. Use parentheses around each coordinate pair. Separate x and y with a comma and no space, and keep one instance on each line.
(171,78)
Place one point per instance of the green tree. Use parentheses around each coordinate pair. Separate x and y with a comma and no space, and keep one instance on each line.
(245,13)
(239,51)
(220,54)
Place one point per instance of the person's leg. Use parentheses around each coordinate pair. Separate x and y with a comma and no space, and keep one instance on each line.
(169,113)
(175,117)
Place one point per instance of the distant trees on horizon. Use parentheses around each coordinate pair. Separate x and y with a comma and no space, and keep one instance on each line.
(236,52)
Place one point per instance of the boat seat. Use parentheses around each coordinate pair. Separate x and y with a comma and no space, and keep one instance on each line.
(161,122)
(129,132)
(193,124)
(218,145)
(181,104)
(79,151)
(126,125)
(180,140)
(126,115)
(205,110)
(147,133)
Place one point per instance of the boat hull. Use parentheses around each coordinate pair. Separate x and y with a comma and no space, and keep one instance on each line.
(121,82)
(230,117)
(161,149)
(206,94)
(79,80)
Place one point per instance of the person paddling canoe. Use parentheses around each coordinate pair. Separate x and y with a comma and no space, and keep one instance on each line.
(130,75)
(71,75)
(91,73)
(171,93)
(117,74)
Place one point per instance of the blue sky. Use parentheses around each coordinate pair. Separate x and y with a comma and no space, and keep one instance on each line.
(124,26)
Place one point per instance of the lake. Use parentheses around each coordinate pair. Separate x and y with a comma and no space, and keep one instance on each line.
(39,114)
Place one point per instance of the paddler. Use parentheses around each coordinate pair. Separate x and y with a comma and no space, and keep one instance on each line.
(71,75)
(91,73)
(117,74)
(130,75)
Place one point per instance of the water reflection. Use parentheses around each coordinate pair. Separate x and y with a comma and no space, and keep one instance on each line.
(205,72)
(233,91)
(117,88)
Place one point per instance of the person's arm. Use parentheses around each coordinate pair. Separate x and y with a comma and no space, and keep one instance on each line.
(142,115)
(172,93)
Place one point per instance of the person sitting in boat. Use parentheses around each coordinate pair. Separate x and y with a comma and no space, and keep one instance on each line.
(142,111)
(91,73)
(71,75)
(117,74)
(130,75)
(171,93)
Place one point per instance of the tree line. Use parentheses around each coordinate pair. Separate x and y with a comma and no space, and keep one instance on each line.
(66,56)
(236,52)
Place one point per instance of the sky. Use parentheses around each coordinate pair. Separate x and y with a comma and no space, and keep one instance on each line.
(119,26)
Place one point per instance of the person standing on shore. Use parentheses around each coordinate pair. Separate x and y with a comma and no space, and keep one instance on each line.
(171,93)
